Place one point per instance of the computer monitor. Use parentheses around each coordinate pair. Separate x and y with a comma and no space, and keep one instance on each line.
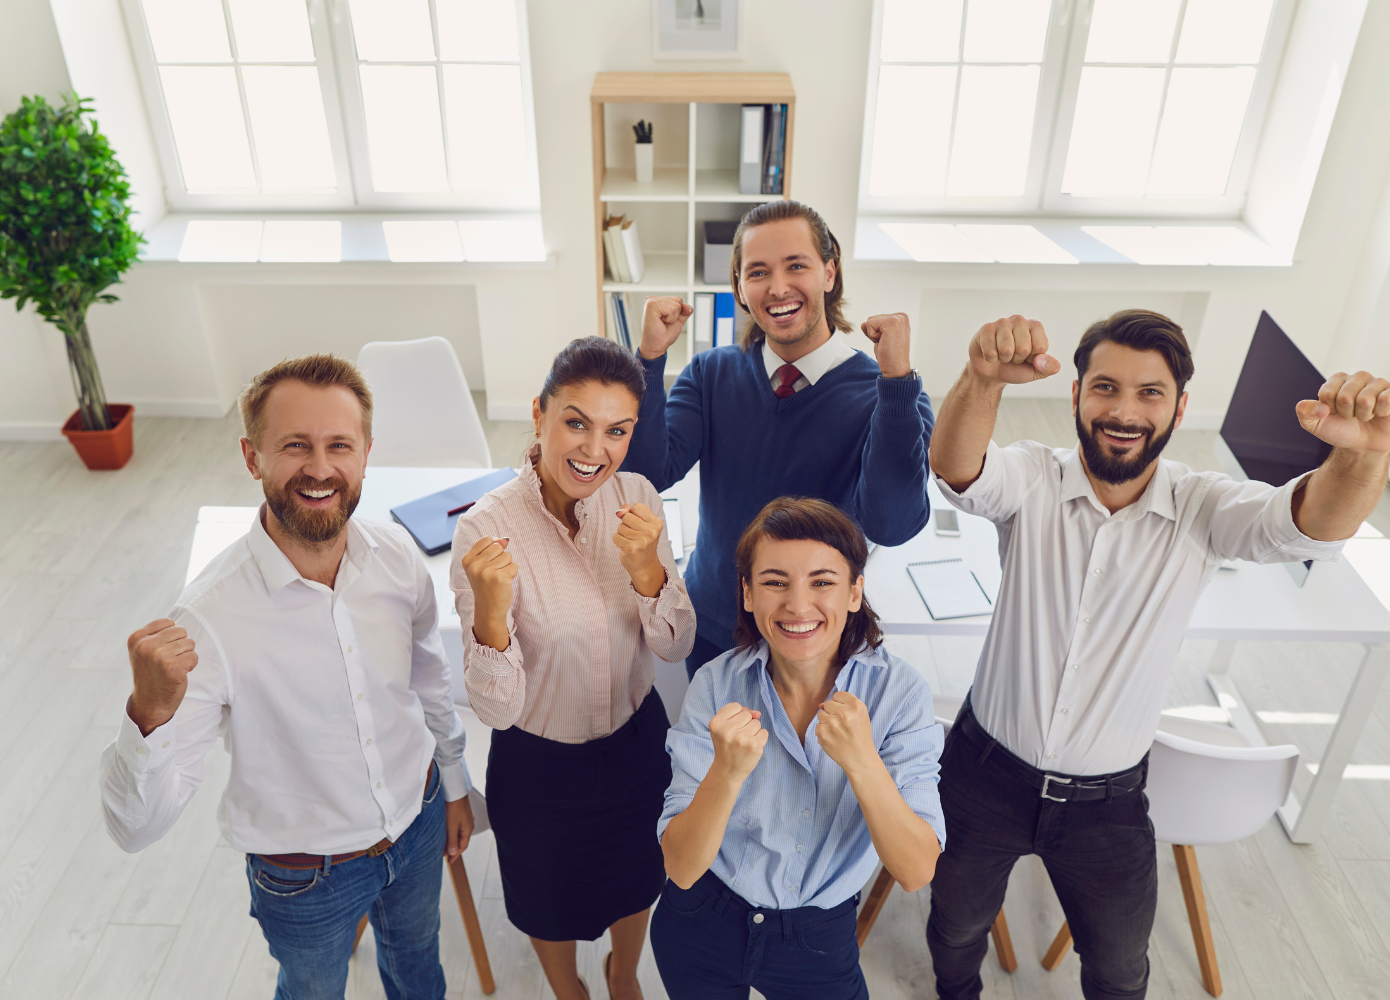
(1261,429)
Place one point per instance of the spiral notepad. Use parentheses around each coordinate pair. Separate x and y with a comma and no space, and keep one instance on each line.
(949,589)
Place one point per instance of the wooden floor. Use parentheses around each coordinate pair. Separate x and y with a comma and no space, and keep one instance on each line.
(86,557)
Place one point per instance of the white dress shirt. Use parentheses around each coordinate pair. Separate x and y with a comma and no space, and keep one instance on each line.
(1093,606)
(833,352)
(332,702)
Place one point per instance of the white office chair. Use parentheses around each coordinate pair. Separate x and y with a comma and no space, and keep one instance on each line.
(1206,786)
(423,412)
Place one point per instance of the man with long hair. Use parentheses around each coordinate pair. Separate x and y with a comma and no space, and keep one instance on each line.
(1106,549)
(791,411)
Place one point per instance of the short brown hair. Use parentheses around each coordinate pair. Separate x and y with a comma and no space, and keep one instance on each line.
(1142,330)
(826,244)
(594,359)
(319,370)
(794,519)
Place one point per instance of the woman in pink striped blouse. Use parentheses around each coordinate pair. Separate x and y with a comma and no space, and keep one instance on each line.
(566,578)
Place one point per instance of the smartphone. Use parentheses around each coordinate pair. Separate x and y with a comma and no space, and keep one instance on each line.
(947,525)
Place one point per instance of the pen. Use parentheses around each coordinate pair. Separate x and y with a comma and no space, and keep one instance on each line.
(460,510)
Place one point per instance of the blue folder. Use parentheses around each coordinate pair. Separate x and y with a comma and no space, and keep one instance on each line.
(428,519)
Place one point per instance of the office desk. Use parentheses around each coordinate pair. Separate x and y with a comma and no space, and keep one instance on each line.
(1250,603)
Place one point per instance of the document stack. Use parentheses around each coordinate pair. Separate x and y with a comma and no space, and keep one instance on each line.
(762,149)
(622,251)
(615,317)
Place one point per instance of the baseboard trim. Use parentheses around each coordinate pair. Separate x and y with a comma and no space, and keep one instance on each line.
(508,411)
(31,432)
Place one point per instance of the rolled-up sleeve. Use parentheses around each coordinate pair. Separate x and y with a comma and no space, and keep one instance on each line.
(1254,521)
(432,682)
(668,619)
(691,748)
(1004,482)
(495,681)
(912,753)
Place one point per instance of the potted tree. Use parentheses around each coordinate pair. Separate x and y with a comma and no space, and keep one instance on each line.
(65,237)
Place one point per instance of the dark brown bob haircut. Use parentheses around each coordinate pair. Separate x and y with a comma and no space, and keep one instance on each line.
(594,359)
(826,244)
(1141,330)
(793,519)
(318,370)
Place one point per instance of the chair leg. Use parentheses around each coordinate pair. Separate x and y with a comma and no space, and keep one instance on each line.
(476,945)
(1057,951)
(1003,944)
(878,895)
(361,929)
(1192,895)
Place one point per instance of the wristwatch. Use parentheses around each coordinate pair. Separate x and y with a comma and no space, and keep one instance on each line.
(911,374)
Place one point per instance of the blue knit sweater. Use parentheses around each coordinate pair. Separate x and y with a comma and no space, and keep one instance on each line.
(854,439)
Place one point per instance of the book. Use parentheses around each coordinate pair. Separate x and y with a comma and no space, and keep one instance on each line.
(723,319)
(610,317)
(704,320)
(632,251)
(772,149)
(610,253)
(614,230)
(429,520)
(949,589)
(751,149)
(620,306)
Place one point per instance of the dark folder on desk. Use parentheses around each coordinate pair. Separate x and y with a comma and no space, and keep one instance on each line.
(429,520)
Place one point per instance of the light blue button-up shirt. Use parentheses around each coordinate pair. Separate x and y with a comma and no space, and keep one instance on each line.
(797,836)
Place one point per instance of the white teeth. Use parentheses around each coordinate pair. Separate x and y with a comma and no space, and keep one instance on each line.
(798,629)
(582,469)
(1127,437)
(317,494)
(783,310)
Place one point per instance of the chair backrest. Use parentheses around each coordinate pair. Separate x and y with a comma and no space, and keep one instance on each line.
(1204,793)
(423,412)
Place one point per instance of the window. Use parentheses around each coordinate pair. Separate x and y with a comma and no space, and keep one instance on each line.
(339,104)
(1148,108)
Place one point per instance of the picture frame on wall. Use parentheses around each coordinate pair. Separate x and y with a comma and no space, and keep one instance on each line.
(696,29)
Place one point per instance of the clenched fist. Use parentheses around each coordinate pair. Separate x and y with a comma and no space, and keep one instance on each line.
(663,318)
(892,337)
(844,732)
(491,570)
(161,655)
(1351,411)
(638,540)
(1012,350)
(738,739)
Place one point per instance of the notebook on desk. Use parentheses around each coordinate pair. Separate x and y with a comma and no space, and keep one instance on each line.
(949,589)
(430,520)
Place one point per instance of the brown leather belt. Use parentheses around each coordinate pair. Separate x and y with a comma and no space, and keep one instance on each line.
(307,862)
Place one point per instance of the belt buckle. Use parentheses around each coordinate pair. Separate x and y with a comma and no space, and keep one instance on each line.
(1061,781)
(376,850)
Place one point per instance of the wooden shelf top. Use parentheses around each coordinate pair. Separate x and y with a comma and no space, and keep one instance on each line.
(705,88)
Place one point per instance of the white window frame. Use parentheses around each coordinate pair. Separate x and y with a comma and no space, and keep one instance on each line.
(1063,60)
(330,26)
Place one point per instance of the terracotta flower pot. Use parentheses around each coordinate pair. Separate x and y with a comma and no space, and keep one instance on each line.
(103,449)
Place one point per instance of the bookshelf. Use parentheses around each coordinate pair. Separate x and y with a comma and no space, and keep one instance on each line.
(697,122)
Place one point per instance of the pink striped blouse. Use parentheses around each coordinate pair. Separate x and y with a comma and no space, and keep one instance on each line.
(580,658)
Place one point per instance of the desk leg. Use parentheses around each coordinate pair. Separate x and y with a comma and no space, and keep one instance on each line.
(1303,822)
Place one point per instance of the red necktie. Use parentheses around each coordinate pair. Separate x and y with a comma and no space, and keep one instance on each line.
(788,374)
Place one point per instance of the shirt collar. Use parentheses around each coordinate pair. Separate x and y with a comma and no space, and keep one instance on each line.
(812,366)
(756,656)
(276,569)
(530,486)
(1156,498)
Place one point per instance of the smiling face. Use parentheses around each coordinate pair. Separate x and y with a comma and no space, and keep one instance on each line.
(801,594)
(310,459)
(782,283)
(584,432)
(1127,406)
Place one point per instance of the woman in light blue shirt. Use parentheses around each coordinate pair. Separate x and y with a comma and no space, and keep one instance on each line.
(802,758)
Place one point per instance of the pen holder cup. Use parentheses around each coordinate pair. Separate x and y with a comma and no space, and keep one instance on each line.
(643,152)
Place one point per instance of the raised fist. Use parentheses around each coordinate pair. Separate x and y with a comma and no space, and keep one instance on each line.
(892,337)
(1012,350)
(663,318)
(161,655)
(491,570)
(638,540)
(738,739)
(1351,411)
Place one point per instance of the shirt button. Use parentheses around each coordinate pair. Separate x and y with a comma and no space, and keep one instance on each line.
(805,814)
(166,744)
(1099,572)
(1064,712)
(1052,756)
(349,649)
(139,749)
(800,848)
(369,739)
(757,918)
(1086,621)
(1076,666)
(581,538)
(378,784)
(359,697)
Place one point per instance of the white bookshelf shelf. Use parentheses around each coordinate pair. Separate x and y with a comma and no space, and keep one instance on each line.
(711,161)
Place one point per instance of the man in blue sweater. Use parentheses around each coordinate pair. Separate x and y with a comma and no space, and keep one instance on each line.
(791,411)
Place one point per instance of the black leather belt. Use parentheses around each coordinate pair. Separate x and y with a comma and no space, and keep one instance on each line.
(1053,787)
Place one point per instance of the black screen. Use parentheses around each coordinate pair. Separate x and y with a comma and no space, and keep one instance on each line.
(1261,428)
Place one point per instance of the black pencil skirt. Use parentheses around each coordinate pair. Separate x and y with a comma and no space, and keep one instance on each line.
(576,825)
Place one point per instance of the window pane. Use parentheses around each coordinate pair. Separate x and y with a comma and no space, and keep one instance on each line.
(187,30)
(487,239)
(934,241)
(1113,131)
(302,241)
(1202,118)
(271,30)
(290,127)
(921,31)
(483,30)
(1132,31)
(1223,31)
(912,128)
(209,133)
(218,240)
(487,134)
(422,241)
(1017,244)
(403,130)
(1006,30)
(389,30)
(994,130)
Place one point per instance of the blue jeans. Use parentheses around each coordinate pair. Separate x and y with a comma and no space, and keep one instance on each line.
(309,918)
(710,944)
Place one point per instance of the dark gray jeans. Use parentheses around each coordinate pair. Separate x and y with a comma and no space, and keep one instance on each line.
(1100,855)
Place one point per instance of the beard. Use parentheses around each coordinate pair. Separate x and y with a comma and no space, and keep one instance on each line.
(1117,471)
(814,312)
(313,527)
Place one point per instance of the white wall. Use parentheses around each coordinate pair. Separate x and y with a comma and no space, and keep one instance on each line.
(181,338)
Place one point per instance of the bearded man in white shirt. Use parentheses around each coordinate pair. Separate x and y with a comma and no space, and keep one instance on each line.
(1106,549)
(313,642)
